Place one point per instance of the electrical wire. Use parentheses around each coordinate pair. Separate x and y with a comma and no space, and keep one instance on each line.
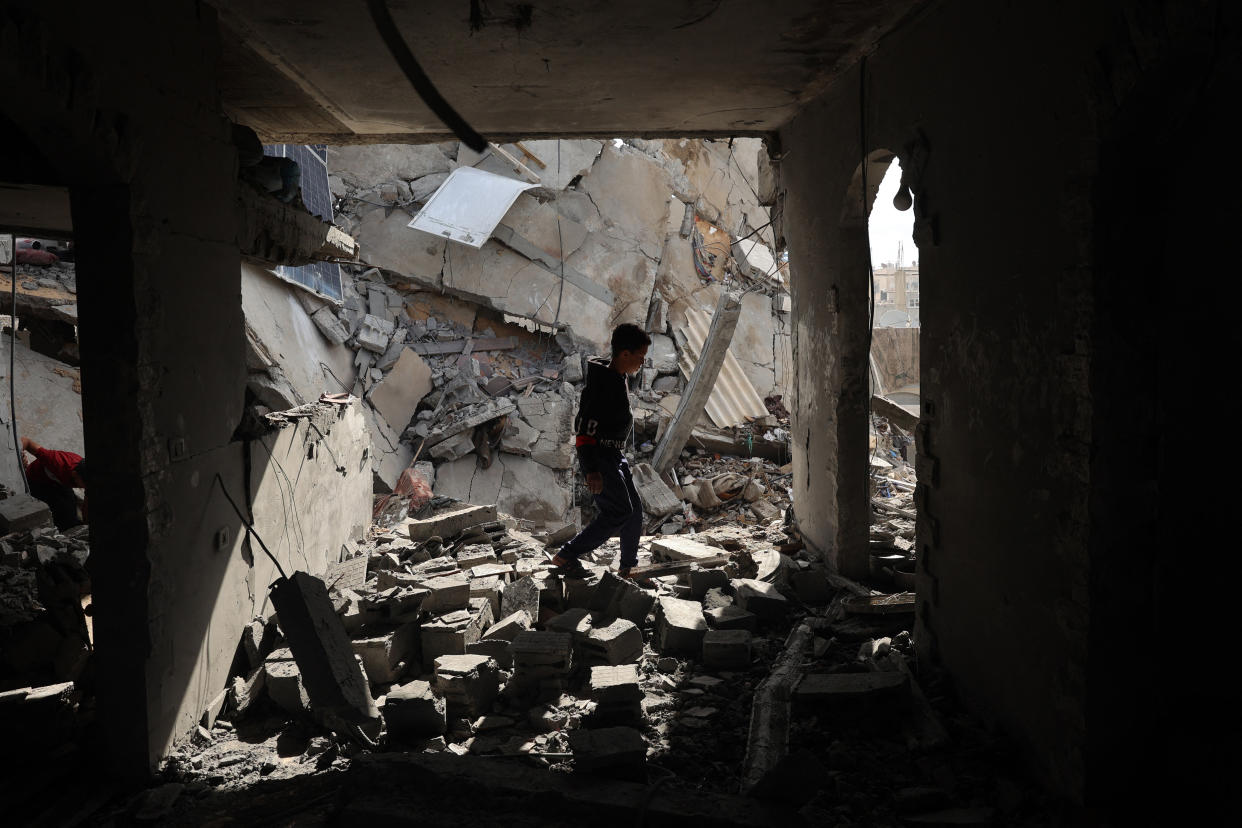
(418,78)
(17,442)
(249,526)
(753,191)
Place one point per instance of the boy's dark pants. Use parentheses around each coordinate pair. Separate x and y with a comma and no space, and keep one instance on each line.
(619,512)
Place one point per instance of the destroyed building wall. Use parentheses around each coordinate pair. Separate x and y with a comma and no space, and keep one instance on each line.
(1010,579)
(617,217)
(310,496)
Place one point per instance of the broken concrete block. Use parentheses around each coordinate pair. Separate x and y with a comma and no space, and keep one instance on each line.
(332,676)
(475,554)
(397,396)
(414,710)
(469,683)
(617,642)
(701,580)
(330,325)
(726,649)
(509,627)
(522,594)
(541,661)
(519,437)
(620,751)
(731,618)
(571,368)
(373,334)
(489,589)
(657,498)
(450,524)
(617,695)
(447,635)
(620,598)
(284,682)
(679,626)
(680,548)
(22,512)
(386,657)
(662,354)
(759,597)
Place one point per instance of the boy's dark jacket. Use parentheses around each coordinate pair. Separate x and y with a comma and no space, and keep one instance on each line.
(604,418)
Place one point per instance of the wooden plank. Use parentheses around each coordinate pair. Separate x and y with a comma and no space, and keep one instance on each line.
(657,570)
(880,604)
(458,346)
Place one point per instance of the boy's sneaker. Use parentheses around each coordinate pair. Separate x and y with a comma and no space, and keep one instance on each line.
(569,567)
(645,583)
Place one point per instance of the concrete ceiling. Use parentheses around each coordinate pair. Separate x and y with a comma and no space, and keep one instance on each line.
(316,71)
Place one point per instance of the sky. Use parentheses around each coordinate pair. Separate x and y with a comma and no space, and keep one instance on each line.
(889,226)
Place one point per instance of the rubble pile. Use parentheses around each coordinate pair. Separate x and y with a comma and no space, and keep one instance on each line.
(471,360)
(45,640)
(892,481)
(471,644)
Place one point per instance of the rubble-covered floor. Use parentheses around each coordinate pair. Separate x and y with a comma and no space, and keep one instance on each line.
(887,754)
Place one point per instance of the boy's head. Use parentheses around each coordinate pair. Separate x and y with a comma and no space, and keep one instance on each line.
(629,348)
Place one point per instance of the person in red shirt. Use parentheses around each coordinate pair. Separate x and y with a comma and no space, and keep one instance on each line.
(53,475)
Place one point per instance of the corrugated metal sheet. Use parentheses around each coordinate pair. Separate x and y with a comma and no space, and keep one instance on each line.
(734,400)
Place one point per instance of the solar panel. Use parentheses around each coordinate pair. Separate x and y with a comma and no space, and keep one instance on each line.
(321,277)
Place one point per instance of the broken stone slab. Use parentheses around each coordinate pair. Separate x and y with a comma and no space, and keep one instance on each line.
(450,524)
(447,593)
(759,597)
(22,512)
(726,649)
(330,672)
(412,709)
(617,695)
(493,648)
(768,767)
(731,618)
(509,627)
(284,682)
(680,548)
(680,626)
(663,354)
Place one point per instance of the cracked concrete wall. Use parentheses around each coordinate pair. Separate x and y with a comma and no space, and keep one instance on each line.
(1009,425)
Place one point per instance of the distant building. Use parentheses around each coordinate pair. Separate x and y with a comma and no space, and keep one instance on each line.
(897,296)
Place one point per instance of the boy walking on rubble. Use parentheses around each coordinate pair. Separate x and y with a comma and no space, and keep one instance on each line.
(602,427)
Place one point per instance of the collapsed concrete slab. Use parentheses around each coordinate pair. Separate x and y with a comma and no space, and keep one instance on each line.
(397,395)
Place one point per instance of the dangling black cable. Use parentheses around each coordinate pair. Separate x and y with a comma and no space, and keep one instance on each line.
(422,84)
